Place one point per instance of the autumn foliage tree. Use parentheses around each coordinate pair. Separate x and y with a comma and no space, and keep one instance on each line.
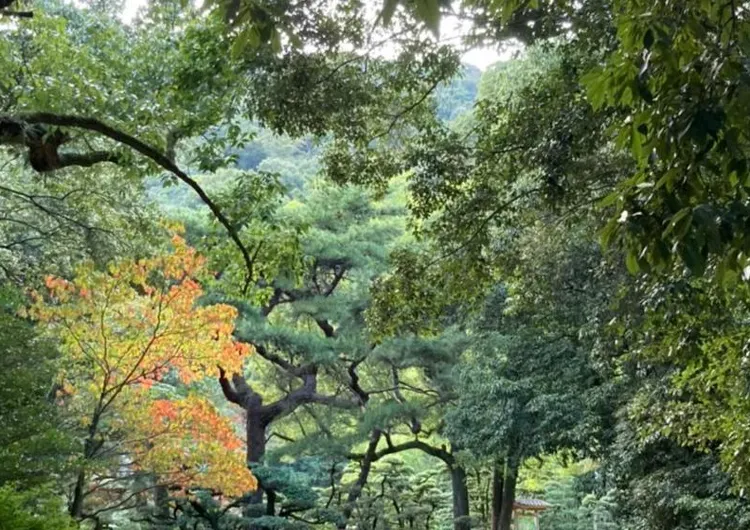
(133,339)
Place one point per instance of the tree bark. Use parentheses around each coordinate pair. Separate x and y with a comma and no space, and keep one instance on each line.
(76,504)
(255,430)
(509,495)
(90,448)
(460,498)
(497,494)
(364,473)
(457,473)
(271,505)
(161,502)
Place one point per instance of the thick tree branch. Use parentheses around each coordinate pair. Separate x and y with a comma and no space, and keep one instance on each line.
(306,394)
(229,392)
(150,152)
(364,397)
(327,328)
(87,159)
(438,452)
(365,465)
(16,14)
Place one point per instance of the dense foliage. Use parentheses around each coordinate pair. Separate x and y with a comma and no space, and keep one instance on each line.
(291,265)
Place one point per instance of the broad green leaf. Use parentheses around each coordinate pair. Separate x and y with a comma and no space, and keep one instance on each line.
(389,8)
(429,12)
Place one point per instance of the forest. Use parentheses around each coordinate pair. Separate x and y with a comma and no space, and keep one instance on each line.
(297,265)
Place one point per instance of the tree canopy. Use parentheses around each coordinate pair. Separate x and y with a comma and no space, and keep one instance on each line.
(295,265)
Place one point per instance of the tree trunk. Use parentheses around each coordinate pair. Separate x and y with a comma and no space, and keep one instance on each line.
(509,496)
(76,504)
(271,505)
(497,494)
(90,448)
(460,498)
(364,473)
(255,429)
(161,502)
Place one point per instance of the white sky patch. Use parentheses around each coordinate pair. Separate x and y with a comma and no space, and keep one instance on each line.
(450,30)
(130,8)
(483,58)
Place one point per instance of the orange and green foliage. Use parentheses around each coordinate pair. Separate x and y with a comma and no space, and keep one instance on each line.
(123,330)
(187,441)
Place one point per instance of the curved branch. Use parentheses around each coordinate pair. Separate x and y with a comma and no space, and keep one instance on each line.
(304,395)
(364,396)
(438,452)
(279,361)
(226,387)
(326,327)
(365,465)
(150,152)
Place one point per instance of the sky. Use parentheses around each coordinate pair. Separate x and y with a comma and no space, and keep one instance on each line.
(449,29)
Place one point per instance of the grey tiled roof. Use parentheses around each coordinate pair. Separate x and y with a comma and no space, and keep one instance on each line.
(531,504)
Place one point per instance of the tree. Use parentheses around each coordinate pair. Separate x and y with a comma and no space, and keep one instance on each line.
(35,509)
(397,496)
(34,443)
(673,73)
(320,368)
(311,333)
(524,393)
(691,335)
(72,124)
(662,485)
(121,332)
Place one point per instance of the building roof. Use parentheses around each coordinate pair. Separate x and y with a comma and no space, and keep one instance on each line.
(531,504)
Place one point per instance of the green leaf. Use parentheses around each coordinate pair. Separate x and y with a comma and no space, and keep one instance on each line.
(726,274)
(275,41)
(644,92)
(610,199)
(631,262)
(429,12)
(693,257)
(679,223)
(389,8)
(608,233)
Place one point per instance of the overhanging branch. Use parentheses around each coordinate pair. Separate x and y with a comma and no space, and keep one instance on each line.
(16,14)
(150,152)
(4,4)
